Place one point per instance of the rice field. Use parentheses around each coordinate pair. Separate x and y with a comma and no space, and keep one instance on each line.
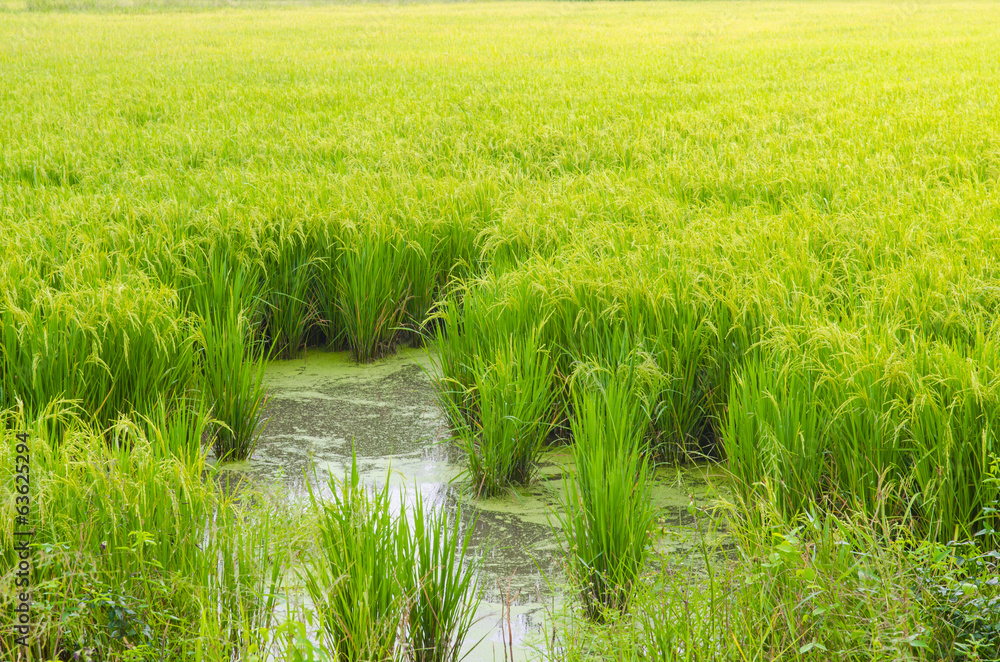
(764,236)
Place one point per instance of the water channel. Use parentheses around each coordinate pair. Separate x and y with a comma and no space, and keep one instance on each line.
(323,403)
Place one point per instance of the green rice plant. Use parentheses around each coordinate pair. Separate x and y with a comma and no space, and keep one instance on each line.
(867,424)
(357,577)
(389,586)
(682,340)
(132,547)
(421,271)
(290,271)
(371,292)
(609,509)
(585,316)
(865,404)
(774,432)
(178,428)
(326,285)
(953,421)
(353,576)
(460,218)
(513,411)
(244,590)
(620,351)
(476,319)
(438,580)
(849,406)
(113,347)
(221,278)
(232,380)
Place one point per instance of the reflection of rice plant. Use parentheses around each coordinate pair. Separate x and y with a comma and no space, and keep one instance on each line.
(233,379)
(512,413)
(385,586)
(609,509)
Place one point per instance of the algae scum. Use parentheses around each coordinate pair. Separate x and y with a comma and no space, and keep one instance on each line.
(323,403)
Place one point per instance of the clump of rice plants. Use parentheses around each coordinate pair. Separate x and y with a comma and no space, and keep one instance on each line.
(371,293)
(352,578)
(291,271)
(511,413)
(901,428)
(233,381)
(386,586)
(775,430)
(476,319)
(608,507)
(114,348)
(439,581)
(133,549)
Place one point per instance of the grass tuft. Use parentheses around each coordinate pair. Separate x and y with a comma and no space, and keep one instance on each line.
(609,509)
(232,381)
(389,586)
(511,413)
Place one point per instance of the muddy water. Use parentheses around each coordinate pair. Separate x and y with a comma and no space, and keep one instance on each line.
(322,404)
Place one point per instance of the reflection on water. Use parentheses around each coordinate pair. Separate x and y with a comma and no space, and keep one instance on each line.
(322,404)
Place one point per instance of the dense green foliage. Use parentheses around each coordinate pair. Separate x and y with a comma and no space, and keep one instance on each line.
(134,550)
(791,207)
(233,381)
(503,419)
(823,589)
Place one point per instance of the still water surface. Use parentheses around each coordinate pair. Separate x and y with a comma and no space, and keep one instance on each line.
(322,403)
